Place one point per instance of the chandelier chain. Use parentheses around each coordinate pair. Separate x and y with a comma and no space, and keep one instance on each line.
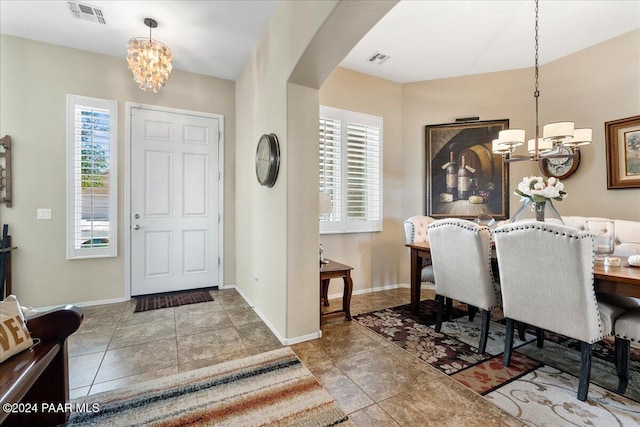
(537,38)
(536,93)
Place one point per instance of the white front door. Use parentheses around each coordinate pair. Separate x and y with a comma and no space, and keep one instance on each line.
(174,201)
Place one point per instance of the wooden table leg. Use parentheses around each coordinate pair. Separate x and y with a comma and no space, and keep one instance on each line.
(325,291)
(346,297)
(416,264)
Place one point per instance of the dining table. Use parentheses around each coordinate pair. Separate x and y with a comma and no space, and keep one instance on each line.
(621,280)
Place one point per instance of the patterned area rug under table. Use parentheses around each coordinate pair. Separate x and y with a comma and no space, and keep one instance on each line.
(540,385)
(272,388)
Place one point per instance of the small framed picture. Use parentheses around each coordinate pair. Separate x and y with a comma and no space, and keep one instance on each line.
(623,153)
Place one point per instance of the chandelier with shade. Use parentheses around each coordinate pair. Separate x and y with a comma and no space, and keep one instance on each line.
(149,60)
(553,134)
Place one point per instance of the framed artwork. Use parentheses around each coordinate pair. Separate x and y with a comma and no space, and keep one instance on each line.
(464,178)
(623,152)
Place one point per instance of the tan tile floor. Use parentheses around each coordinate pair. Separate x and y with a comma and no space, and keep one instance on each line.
(373,381)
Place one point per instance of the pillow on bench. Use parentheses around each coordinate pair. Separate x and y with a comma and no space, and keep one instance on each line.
(14,335)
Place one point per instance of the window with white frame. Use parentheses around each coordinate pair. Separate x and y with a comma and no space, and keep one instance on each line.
(91,177)
(350,157)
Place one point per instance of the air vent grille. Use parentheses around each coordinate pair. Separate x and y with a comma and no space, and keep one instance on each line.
(86,12)
(378,58)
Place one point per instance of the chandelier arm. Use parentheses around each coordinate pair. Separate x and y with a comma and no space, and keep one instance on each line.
(559,156)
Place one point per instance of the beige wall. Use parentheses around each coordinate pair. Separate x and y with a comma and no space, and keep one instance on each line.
(34,80)
(375,257)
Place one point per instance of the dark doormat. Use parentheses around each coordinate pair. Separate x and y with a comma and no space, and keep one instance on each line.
(153,302)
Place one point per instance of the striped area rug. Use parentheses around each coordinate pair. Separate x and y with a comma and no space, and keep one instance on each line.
(272,388)
(154,302)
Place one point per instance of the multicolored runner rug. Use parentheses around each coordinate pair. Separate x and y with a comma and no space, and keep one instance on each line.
(272,388)
(154,302)
(540,385)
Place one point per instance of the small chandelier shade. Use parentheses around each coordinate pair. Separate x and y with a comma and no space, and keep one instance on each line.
(149,60)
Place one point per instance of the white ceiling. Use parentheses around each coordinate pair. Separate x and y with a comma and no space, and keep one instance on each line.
(206,37)
(425,40)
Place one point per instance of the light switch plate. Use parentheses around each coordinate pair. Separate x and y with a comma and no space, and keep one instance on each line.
(44,213)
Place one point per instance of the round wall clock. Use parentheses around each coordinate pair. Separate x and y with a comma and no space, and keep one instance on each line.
(561,167)
(267,159)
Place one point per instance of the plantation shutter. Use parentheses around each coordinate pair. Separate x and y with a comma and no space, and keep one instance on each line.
(91,176)
(363,172)
(330,165)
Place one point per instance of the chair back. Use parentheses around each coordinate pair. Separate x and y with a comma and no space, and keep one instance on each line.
(546,277)
(415,229)
(461,259)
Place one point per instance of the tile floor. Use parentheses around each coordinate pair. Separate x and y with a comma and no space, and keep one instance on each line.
(373,381)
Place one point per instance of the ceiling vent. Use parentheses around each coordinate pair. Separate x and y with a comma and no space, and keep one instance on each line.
(378,58)
(86,12)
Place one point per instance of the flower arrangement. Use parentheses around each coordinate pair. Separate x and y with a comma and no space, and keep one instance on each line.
(539,189)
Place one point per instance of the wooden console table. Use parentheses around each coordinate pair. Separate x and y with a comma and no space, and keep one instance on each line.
(335,270)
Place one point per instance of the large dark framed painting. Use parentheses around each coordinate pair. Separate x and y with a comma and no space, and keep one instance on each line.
(481,186)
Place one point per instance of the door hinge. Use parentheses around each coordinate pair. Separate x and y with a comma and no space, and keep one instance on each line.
(218,218)
(219,135)
(218,260)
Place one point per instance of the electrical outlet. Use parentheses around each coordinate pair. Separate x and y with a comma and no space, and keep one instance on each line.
(43,213)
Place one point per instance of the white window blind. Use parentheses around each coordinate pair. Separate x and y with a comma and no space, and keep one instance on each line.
(330,164)
(91,177)
(355,183)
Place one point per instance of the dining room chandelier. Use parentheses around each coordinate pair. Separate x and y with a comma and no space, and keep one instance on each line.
(553,134)
(149,60)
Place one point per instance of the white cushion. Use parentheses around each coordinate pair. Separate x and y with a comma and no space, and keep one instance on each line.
(628,326)
(627,233)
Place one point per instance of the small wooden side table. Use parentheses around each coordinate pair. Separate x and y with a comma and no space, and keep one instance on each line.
(334,270)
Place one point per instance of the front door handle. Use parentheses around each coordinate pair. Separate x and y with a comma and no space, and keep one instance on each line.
(137,227)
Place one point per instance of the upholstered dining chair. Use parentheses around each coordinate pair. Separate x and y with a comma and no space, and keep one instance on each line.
(415,231)
(627,329)
(461,259)
(546,277)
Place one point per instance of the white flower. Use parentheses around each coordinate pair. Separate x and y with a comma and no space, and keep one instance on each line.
(538,189)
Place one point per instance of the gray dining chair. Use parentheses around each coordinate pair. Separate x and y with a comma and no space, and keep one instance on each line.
(461,259)
(627,329)
(546,277)
(416,231)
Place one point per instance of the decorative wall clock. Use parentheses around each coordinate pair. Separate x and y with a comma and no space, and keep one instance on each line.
(267,159)
(560,167)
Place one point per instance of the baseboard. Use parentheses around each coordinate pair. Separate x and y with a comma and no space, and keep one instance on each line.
(83,304)
(425,285)
(283,340)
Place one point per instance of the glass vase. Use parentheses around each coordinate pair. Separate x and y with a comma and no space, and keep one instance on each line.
(537,211)
(604,232)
